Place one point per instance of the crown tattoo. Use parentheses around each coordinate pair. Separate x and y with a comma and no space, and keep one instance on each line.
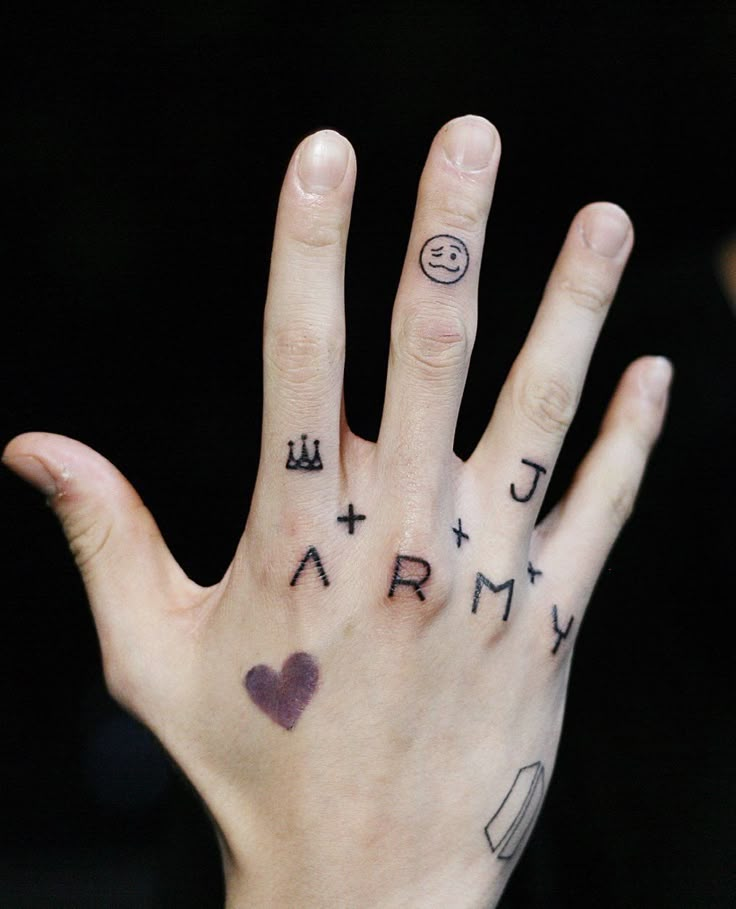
(304,462)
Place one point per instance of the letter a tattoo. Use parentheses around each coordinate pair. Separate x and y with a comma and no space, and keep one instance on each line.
(313,555)
(415,582)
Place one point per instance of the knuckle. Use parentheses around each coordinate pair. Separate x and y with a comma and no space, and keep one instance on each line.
(87,538)
(302,353)
(548,402)
(463,213)
(585,293)
(622,504)
(418,581)
(434,342)
(318,229)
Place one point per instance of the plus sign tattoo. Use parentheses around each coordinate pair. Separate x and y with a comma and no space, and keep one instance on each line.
(515,816)
(458,531)
(311,555)
(304,461)
(407,580)
(350,518)
(561,635)
(482,581)
(538,470)
(444,259)
(533,572)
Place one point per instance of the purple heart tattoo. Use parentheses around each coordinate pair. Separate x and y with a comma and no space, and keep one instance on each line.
(283,695)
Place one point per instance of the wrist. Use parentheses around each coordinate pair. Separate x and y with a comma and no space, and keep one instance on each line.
(363,881)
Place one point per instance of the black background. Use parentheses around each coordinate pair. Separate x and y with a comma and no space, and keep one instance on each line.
(143,155)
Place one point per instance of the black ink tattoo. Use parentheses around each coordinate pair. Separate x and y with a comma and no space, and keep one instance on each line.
(561,635)
(482,581)
(444,259)
(508,828)
(304,462)
(415,583)
(311,555)
(538,469)
(458,531)
(533,572)
(350,518)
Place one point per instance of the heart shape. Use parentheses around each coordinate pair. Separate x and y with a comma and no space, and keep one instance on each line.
(283,695)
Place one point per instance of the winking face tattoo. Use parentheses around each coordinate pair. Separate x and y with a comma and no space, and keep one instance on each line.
(444,259)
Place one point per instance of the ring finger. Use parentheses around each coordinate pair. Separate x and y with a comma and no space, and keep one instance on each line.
(515,457)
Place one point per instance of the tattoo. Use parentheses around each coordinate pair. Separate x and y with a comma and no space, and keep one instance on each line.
(482,581)
(417,583)
(350,518)
(304,462)
(283,695)
(533,572)
(458,531)
(538,469)
(508,828)
(561,635)
(313,555)
(444,259)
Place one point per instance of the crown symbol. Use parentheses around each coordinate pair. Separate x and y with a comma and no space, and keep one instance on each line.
(304,462)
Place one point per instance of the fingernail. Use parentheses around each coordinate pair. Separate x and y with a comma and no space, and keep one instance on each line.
(656,379)
(605,230)
(469,143)
(32,471)
(323,161)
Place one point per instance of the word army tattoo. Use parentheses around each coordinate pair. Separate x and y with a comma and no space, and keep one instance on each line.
(538,470)
(482,581)
(282,696)
(350,518)
(444,259)
(416,583)
(311,555)
(561,635)
(304,461)
(533,572)
(459,533)
(508,828)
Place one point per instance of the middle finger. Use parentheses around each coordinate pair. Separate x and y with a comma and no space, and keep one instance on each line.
(434,317)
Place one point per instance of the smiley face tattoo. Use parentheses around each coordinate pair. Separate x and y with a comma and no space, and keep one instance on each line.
(444,259)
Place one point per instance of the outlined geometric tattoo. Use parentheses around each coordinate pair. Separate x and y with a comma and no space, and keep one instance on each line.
(533,572)
(304,462)
(350,518)
(538,469)
(482,581)
(458,531)
(444,259)
(508,828)
(561,635)
(311,555)
(415,583)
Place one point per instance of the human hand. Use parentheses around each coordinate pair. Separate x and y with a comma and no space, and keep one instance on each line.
(370,701)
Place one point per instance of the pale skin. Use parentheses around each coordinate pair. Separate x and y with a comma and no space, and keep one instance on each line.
(425,709)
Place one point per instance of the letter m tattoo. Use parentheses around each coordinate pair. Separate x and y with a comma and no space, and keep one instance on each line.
(482,581)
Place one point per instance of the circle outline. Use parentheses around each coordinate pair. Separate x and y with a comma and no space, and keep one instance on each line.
(444,237)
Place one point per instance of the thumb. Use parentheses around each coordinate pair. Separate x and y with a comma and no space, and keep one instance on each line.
(116,544)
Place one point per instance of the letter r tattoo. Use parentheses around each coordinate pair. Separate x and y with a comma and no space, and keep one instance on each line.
(400,579)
